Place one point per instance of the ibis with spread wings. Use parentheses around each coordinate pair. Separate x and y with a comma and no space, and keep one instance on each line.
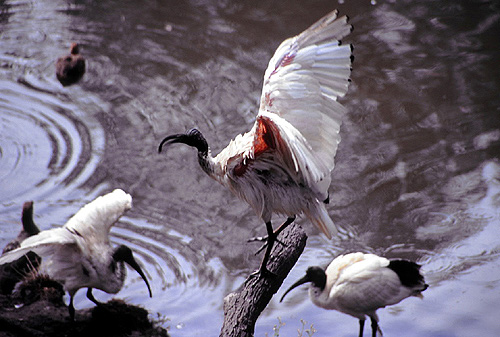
(283,164)
(79,254)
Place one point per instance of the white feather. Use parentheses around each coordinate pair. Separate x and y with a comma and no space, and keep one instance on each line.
(299,111)
(358,284)
(303,79)
(85,237)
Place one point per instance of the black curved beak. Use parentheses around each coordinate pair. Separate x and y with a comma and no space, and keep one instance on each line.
(123,253)
(177,138)
(192,138)
(303,280)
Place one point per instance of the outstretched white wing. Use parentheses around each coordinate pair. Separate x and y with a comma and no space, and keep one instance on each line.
(94,220)
(301,85)
(42,244)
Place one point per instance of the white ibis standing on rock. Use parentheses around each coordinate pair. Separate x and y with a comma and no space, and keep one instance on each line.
(283,164)
(79,254)
(358,284)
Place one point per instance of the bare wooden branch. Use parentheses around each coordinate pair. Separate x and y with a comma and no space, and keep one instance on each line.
(243,307)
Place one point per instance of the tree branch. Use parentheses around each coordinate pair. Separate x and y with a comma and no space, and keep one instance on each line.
(243,307)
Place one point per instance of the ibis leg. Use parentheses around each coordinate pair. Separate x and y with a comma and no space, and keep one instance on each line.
(270,243)
(271,238)
(361,327)
(285,224)
(71,309)
(375,327)
(91,297)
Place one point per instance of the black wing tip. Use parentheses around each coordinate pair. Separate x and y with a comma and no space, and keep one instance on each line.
(408,272)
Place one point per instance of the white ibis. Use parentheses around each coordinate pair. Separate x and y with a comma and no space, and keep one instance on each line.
(283,164)
(358,284)
(79,254)
(70,68)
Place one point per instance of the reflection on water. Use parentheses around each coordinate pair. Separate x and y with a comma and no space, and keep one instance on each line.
(417,171)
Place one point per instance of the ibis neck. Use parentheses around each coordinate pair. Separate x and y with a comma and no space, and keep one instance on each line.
(206,162)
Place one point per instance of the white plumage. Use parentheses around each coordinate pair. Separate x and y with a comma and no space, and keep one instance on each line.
(283,164)
(79,254)
(358,284)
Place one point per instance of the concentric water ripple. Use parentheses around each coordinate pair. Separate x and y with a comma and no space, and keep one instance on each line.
(45,149)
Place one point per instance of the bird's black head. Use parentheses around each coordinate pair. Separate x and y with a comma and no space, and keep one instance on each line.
(192,138)
(315,275)
(124,254)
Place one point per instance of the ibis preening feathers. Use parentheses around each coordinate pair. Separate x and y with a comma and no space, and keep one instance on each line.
(358,284)
(283,164)
(79,254)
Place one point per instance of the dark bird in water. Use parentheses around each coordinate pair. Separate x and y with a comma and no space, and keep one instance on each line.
(70,68)
(79,254)
(358,284)
(29,227)
(16,271)
(283,164)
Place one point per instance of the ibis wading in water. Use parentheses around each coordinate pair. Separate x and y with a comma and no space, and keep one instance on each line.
(283,164)
(358,284)
(79,254)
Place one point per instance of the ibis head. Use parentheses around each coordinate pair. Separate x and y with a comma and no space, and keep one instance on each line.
(192,138)
(124,254)
(315,275)
(195,139)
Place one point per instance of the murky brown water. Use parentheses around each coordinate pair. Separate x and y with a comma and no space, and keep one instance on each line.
(417,172)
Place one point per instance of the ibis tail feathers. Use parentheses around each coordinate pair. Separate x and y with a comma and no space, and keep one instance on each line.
(320,218)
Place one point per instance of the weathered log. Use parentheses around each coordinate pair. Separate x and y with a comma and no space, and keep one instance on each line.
(243,307)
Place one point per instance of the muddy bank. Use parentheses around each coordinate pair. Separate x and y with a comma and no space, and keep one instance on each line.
(36,308)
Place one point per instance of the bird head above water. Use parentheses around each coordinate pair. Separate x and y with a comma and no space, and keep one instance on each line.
(74,49)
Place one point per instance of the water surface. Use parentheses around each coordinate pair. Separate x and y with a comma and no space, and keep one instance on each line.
(417,173)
